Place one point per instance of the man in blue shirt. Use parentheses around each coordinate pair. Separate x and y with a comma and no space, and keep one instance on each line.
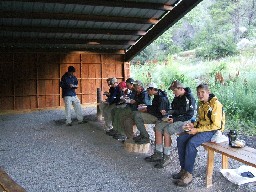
(69,84)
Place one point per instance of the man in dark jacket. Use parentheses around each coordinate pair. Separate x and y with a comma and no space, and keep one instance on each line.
(69,84)
(113,97)
(150,114)
(182,111)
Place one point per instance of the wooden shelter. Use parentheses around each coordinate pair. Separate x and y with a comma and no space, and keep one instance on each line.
(39,39)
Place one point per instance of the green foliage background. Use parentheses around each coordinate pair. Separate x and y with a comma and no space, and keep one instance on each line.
(202,46)
(236,92)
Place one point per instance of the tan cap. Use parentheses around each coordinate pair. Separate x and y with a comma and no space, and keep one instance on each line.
(113,81)
(138,83)
(176,84)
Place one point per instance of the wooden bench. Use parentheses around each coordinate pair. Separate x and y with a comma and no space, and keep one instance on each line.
(246,155)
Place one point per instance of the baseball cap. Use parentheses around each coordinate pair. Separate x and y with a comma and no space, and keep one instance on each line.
(130,80)
(122,85)
(113,80)
(139,83)
(176,84)
(152,85)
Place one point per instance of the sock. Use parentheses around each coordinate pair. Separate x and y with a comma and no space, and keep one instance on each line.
(159,148)
(167,150)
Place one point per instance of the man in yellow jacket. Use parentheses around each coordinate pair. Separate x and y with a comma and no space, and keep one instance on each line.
(210,118)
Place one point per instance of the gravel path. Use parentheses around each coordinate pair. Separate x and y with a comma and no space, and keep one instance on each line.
(42,154)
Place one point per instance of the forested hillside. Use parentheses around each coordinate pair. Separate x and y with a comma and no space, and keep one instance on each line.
(214,43)
(215,28)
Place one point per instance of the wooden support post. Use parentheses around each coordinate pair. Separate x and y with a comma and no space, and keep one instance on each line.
(224,161)
(210,164)
(99,100)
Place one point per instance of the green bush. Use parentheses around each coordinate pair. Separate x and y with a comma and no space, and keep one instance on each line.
(217,47)
(236,92)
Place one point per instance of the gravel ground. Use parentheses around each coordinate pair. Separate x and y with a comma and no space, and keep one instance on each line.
(41,153)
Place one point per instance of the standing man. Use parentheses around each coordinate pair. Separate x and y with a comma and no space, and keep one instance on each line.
(69,84)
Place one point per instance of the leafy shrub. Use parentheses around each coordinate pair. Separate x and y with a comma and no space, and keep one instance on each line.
(219,46)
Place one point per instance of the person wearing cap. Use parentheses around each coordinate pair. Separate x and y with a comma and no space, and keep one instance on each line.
(210,118)
(141,98)
(151,113)
(118,114)
(182,110)
(69,84)
(113,96)
(122,117)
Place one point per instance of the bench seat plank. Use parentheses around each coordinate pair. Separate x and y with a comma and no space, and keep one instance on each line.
(245,155)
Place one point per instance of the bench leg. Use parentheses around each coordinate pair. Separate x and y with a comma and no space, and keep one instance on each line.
(210,165)
(224,162)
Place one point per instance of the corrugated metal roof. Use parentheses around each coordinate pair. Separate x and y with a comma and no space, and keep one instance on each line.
(87,25)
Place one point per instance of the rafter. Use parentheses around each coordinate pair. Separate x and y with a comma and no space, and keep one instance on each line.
(28,40)
(107,3)
(44,29)
(78,17)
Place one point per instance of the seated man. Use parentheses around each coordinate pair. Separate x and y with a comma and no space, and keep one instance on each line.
(140,97)
(117,114)
(209,120)
(151,113)
(112,98)
(182,110)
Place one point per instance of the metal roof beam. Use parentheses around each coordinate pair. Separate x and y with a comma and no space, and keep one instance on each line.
(62,50)
(107,3)
(44,29)
(28,40)
(77,17)
(170,19)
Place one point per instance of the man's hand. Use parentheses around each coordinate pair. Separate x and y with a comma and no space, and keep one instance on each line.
(163,112)
(189,129)
(170,120)
(193,131)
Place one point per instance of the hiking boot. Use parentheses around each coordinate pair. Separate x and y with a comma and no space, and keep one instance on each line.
(185,180)
(119,137)
(166,160)
(137,138)
(111,132)
(179,175)
(82,122)
(143,140)
(157,156)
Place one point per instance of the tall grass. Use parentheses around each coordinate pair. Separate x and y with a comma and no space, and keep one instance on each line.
(232,80)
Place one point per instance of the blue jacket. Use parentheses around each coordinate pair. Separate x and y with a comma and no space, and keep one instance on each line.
(114,96)
(65,82)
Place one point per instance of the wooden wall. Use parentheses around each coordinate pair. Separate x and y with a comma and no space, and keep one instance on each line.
(31,80)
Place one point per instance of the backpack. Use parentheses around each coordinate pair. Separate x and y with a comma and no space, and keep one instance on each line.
(223,119)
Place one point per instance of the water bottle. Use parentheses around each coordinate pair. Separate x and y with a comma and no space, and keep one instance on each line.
(232,135)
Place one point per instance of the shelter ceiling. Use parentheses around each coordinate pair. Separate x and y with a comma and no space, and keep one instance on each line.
(116,26)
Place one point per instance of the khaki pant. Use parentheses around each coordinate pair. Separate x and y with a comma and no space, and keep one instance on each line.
(106,109)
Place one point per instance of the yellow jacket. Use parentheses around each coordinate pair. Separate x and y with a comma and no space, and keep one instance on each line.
(215,120)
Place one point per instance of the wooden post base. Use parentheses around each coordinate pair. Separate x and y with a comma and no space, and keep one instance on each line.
(130,146)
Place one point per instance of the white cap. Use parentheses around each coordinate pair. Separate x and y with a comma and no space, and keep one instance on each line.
(152,85)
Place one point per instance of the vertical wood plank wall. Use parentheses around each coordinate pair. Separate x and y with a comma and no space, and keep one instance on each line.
(31,80)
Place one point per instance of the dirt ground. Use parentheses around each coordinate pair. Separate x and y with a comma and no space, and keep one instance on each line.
(41,153)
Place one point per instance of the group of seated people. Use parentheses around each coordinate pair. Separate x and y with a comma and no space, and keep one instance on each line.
(128,103)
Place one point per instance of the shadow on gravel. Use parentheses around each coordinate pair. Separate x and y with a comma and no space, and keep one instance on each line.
(91,117)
